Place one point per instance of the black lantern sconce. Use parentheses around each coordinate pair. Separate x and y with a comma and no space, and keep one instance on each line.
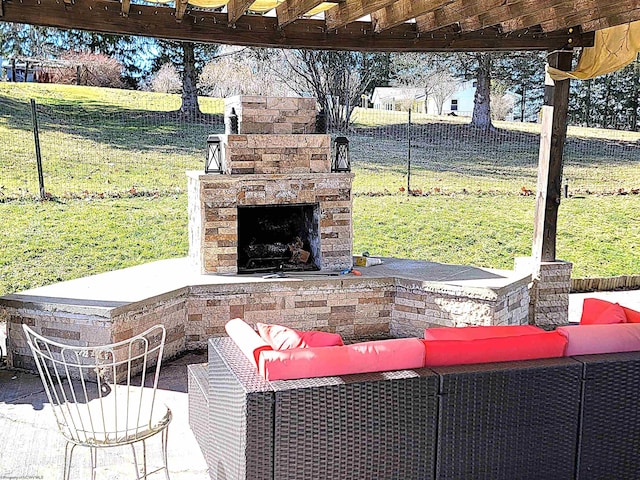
(341,161)
(213,160)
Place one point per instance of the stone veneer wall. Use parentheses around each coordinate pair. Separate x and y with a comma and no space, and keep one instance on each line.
(258,114)
(351,308)
(95,326)
(355,307)
(551,284)
(268,154)
(419,305)
(213,202)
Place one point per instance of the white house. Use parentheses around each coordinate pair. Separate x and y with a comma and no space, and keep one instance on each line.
(396,98)
(460,102)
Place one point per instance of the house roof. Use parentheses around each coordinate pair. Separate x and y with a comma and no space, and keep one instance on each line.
(397,93)
(380,25)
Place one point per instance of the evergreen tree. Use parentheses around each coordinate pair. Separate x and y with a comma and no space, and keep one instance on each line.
(478,66)
(188,58)
(19,40)
(523,73)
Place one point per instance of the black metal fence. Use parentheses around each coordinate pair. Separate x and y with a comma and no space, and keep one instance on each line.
(145,147)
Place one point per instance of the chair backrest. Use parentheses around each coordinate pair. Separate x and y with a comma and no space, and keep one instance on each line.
(101,395)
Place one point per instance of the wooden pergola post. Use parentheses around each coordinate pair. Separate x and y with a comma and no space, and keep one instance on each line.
(551,277)
(552,139)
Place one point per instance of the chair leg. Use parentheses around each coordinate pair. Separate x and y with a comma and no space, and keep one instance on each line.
(144,459)
(68,455)
(94,462)
(165,439)
(135,461)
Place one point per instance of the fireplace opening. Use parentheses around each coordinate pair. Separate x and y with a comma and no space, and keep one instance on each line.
(278,238)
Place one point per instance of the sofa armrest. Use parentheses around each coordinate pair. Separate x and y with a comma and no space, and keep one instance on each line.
(241,415)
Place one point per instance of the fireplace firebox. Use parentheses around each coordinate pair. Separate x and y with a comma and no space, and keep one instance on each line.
(278,238)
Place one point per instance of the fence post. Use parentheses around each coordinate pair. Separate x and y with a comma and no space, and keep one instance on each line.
(36,138)
(409,154)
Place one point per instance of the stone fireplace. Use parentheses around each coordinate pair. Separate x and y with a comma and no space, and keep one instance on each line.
(276,205)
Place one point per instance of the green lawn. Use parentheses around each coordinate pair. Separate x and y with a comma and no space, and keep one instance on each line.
(115,162)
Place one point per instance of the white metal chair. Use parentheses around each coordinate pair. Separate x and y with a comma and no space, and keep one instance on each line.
(105,396)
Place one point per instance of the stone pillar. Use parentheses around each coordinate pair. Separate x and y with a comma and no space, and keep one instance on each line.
(548,291)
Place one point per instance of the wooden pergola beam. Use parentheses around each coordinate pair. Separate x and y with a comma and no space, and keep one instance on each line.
(350,11)
(124,7)
(506,12)
(255,30)
(401,11)
(1,8)
(452,13)
(535,17)
(291,10)
(237,8)
(181,8)
(586,15)
(600,23)
(552,138)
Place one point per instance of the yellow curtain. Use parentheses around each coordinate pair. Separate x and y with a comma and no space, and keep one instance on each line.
(208,3)
(257,6)
(320,8)
(613,49)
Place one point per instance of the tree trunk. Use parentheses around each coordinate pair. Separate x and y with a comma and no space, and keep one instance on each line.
(481,103)
(523,102)
(634,98)
(190,106)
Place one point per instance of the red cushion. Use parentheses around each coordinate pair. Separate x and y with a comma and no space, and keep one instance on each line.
(376,356)
(613,314)
(632,315)
(475,333)
(284,338)
(499,349)
(592,309)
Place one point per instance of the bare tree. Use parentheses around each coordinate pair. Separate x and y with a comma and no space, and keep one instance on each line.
(501,101)
(166,80)
(336,79)
(239,73)
(427,71)
(94,69)
(442,86)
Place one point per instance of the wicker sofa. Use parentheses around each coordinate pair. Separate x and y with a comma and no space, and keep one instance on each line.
(561,418)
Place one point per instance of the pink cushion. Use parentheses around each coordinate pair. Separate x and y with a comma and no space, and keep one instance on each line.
(591,339)
(475,333)
(632,315)
(283,338)
(592,310)
(499,349)
(377,356)
(247,340)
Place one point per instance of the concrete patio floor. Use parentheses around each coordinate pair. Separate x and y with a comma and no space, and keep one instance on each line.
(33,448)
